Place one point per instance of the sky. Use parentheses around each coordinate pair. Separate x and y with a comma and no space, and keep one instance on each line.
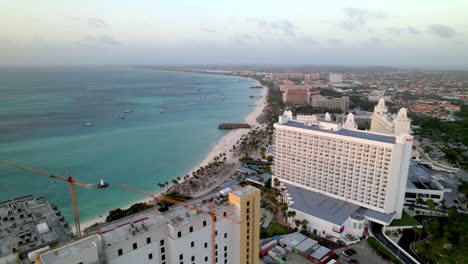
(406,33)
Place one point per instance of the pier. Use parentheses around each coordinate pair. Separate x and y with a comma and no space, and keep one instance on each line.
(233,126)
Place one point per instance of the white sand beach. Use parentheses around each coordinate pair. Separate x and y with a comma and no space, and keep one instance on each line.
(222,146)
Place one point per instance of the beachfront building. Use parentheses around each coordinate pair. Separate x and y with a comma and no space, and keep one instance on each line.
(337,177)
(179,235)
(323,102)
(383,122)
(289,86)
(362,118)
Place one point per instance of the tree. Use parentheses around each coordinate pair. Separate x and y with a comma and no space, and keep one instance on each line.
(411,207)
(276,182)
(291,214)
(431,204)
(297,223)
(304,224)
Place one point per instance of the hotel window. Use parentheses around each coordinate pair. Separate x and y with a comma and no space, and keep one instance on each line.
(206,244)
(206,258)
(162,250)
(135,246)
(191,229)
(179,234)
(161,242)
(225,235)
(181,256)
(204,223)
(148,240)
(120,252)
(150,256)
(193,258)
(192,244)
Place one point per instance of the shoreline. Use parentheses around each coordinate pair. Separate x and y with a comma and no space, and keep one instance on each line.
(223,145)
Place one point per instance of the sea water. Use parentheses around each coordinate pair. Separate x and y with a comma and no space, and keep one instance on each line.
(171,129)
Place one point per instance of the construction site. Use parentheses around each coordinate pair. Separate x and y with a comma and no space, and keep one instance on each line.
(28,224)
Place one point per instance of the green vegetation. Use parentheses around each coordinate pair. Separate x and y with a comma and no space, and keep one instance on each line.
(362,102)
(309,110)
(443,132)
(406,220)
(274,229)
(120,213)
(375,244)
(448,239)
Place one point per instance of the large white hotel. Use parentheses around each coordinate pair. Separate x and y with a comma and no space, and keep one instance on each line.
(338,177)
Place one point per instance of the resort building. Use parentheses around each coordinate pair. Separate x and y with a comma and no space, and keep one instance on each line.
(362,118)
(338,177)
(179,235)
(287,86)
(318,101)
(383,122)
(423,184)
(29,225)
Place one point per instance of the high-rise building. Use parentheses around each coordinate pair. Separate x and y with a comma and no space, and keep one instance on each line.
(179,235)
(353,176)
(383,122)
(318,101)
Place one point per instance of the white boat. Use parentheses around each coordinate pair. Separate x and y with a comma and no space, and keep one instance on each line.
(161,110)
(128,111)
(88,124)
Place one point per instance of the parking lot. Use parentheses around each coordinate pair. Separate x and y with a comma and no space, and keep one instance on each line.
(365,254)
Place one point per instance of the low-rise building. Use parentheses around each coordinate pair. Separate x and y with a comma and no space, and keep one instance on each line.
(422,184)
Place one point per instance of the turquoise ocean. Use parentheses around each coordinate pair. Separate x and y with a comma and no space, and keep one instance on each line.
(43,111)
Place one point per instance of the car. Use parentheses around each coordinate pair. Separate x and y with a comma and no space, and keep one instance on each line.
(348,252)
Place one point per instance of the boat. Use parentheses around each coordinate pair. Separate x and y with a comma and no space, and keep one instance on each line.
(102,184)
(121,117)
(161,110)
(128,111)
(88,124)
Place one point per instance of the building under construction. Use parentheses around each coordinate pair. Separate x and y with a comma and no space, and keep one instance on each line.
(180,235)
(27,225)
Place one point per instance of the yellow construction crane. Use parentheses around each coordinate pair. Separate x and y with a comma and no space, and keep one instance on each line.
(211,212)
(71,181)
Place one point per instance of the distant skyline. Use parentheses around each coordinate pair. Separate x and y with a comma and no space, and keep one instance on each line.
(402,33)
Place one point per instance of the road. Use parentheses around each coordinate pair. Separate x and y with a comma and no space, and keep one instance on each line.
(377,231)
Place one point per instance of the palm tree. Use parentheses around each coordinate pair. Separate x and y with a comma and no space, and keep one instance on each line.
(304,224)
(290,215)
(297,223)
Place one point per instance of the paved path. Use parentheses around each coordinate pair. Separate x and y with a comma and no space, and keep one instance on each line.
(267,218)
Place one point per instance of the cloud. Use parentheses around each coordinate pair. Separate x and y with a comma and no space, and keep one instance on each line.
(208,30)
(103,39)
(359,17)
(335,42)
(442,31)
(282,26)
(403,30)
(97,23)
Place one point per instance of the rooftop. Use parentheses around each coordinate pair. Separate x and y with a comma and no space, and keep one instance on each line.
(330,209)
(306,245)
(344,132)
(28,224)
(293,239)
(320,252)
